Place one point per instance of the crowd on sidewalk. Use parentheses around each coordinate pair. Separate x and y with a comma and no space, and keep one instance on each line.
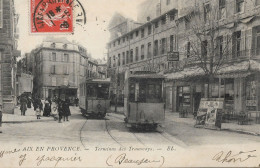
(57,108)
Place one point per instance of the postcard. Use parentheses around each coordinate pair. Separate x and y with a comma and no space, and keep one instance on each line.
(129,83)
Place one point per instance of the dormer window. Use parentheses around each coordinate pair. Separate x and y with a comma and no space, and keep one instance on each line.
(53,45)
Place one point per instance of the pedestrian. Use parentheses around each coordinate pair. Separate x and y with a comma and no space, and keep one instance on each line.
(66,108)
(38,106)
(23,106)
(29,102)
(76,101)
(47,108)
(49,100)
(54,110)
(60,109)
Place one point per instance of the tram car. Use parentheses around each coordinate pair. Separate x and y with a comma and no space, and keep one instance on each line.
(94,97)
(144,106)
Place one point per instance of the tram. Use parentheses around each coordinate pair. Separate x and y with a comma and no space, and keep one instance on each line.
(94,97)
(144,105)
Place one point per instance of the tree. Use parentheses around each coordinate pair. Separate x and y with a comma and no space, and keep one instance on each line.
(209,43)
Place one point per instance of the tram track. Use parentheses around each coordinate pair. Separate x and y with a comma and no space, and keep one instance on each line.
(161,132)
(137,138)
(109,133)
(80,133)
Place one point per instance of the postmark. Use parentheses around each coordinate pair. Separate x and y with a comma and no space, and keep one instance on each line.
(51,16)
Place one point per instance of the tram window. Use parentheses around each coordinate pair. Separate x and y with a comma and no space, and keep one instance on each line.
(154,93)
(158,91)
(132,92)
(103,92)
(91,91)
(151,91)
(142,93)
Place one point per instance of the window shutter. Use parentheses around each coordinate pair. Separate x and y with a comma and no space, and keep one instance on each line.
(251,42)
(231,45)
(243,40)
(50,54)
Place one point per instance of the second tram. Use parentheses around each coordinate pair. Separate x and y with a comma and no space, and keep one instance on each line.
(94,97)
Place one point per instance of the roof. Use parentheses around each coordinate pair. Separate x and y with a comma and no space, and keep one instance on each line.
(145,24)
(57,40)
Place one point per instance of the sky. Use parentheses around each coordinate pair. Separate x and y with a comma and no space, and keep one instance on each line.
(92,36)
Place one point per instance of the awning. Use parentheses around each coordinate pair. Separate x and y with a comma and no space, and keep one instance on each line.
(236,70)
(245,66)
(239,67)
(188,72)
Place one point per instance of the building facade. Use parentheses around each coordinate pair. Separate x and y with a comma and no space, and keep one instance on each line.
(169,44)
(8,54)
(59,68)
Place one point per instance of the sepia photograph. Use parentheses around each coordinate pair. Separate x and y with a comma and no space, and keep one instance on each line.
(129,83)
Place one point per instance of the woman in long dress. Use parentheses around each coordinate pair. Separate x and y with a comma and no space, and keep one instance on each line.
(54,109)
(47,108)
(66,108)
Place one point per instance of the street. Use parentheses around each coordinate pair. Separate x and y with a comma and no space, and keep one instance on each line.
(88,142)
(112,131)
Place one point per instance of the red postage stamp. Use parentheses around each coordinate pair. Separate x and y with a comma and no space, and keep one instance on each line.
(51,16)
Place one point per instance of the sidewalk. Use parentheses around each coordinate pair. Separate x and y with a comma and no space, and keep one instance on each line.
(252,129)
(29,117)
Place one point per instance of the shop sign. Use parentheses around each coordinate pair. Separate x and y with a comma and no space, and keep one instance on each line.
(173,56)
(210,113)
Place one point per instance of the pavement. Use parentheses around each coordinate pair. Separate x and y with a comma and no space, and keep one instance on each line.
(251,129)
(29,117)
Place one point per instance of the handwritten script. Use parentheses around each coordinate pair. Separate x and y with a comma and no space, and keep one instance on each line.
(123,159)
(229,157)
(9,152)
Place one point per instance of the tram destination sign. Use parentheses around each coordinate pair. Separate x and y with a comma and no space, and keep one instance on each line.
(173,56)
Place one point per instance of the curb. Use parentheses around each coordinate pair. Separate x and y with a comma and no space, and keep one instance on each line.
(241,132)
(226,129)
(30,121)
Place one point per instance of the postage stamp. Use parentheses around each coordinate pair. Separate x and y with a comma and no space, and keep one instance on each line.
(51,16)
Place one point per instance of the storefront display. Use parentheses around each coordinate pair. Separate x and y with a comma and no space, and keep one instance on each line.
(210,113)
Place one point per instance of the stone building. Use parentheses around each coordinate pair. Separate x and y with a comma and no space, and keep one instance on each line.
(166,44)
(96,69)
(143,48)
(59,68)
(8,54)
(235,45)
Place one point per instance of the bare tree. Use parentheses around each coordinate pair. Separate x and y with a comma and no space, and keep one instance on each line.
(209,43)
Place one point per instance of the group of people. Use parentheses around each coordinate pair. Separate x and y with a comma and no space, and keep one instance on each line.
(57,108)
